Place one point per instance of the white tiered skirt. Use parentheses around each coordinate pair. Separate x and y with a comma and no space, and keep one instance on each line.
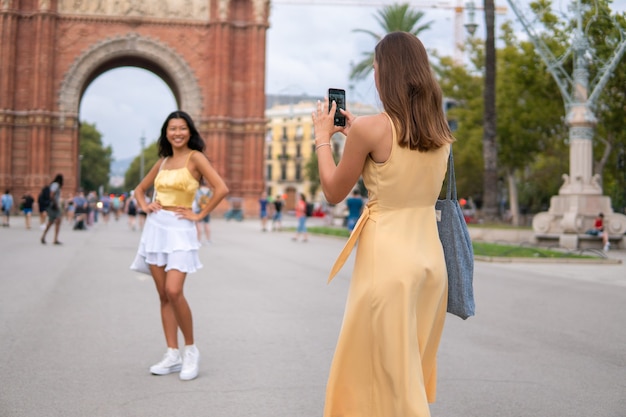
(168,241)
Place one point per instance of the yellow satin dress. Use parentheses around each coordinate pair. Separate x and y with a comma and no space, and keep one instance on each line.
(385,360)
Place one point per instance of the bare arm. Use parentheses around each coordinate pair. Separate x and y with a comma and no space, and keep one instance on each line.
(144,185)
(362,138)
(203,168)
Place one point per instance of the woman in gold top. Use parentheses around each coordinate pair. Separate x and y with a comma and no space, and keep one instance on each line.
(168,249)
(385,359)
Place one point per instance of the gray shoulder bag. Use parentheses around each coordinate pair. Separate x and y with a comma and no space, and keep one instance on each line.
(457,249)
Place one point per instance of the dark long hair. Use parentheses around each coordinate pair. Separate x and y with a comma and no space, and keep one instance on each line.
(58,179)
(195,141)
(410,92)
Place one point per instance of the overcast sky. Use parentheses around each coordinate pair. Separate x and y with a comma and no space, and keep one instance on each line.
(310,47)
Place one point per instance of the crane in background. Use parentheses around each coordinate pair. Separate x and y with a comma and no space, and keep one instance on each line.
(459,7)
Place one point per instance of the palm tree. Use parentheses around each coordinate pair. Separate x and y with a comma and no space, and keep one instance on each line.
(392,18)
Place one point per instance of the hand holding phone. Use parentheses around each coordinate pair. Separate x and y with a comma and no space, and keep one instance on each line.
(338,96)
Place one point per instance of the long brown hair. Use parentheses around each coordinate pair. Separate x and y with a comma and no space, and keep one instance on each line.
(410,93)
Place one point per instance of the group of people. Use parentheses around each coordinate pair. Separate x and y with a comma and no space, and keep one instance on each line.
(83,211)
(271,208)
(27,203)
(274,208)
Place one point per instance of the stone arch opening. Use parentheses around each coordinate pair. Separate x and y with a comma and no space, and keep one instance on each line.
(135,51)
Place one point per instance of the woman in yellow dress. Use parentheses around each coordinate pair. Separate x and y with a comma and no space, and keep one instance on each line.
(385,360)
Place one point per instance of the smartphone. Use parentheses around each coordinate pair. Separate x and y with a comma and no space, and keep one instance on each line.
(339,96)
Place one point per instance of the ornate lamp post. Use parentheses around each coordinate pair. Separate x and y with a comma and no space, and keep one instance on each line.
(580,197)
(471,26)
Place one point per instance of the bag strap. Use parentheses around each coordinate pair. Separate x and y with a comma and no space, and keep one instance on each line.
(451,190)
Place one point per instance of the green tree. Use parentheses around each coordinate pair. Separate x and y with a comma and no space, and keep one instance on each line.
(610,135)
(530,120)
(132,177)
(95,161)
(464,86)
(391,18)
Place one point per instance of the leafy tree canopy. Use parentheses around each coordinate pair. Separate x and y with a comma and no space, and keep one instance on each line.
(95,161)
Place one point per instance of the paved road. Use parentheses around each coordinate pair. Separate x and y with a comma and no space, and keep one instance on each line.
(78,331)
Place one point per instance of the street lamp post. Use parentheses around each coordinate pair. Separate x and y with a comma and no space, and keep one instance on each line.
(142,142)
(80,167)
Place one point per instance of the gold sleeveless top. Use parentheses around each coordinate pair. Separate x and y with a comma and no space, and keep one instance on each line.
(176,187)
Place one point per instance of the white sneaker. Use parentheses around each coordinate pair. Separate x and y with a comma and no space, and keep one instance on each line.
(171,362)
(607,247)
(191,361)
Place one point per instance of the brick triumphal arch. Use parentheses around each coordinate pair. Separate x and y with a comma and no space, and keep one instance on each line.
(211,53)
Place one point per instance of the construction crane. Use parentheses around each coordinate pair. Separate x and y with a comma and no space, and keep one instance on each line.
(459,7)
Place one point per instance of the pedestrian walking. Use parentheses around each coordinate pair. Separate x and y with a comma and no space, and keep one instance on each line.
(54,213)
(355,206)
(263,213)
(168,249)
(43,200)
(7,206)
(81,211)
(203,195)
(141,219)
(27,208)
(277,218)
(385,360)
(92,208)
(106,208)
(68,207)
(301,215)
(131,211)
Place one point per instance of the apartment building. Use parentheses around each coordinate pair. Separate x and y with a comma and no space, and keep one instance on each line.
(290,145)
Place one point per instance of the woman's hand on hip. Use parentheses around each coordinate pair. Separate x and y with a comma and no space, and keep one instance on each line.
(152,207)
(186,213)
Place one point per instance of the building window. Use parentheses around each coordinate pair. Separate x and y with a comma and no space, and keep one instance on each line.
(299,133)
(298,171)
(269,152)
(269,172)
(283,172)
(284,133)
(298,152)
